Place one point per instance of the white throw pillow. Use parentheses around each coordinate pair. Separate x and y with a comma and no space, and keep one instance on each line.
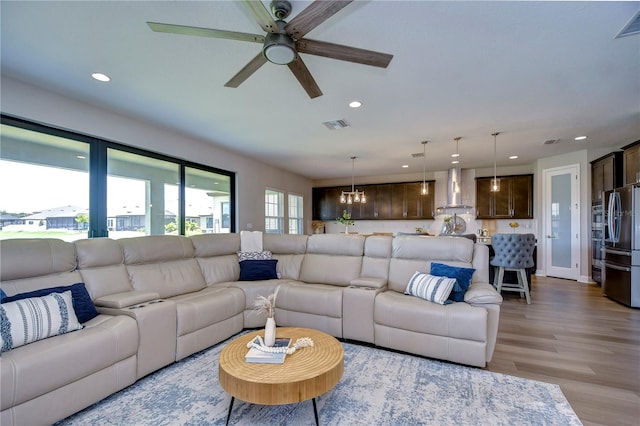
(254,255)
(36,318)
(429,287)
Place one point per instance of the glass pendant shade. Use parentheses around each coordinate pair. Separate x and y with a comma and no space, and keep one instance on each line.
(495,185)
(495,182)
(425,189)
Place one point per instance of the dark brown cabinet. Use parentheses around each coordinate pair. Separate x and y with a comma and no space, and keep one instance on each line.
(606,174)
(513,201)
(631,163)
(388,201)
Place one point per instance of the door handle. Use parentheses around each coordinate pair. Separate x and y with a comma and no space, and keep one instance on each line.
(618,268)
(619,252)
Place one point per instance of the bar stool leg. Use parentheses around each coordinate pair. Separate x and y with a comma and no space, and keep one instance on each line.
(522,280)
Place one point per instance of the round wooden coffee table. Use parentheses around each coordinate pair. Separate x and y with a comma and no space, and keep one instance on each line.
(306,374)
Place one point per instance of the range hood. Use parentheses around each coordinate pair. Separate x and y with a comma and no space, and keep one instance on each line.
(454,194)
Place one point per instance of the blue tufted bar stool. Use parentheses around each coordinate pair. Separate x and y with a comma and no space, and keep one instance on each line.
(514,252)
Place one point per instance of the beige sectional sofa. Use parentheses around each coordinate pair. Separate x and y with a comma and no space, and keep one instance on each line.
(163,298)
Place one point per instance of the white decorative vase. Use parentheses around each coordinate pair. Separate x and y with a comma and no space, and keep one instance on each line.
(346,229)
(270,332)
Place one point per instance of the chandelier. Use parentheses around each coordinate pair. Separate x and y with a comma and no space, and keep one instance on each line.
(353,196)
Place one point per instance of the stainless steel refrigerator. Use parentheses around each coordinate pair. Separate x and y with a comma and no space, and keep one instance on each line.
(621,264)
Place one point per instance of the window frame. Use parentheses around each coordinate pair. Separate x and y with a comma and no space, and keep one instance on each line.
(98,148)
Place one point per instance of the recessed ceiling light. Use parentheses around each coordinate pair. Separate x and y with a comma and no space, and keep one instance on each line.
(101,77)
(580,138)
(513,157)
(455,155)
(405,166)
(355,104)
(455,162)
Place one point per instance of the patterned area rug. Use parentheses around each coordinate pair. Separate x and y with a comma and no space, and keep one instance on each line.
(378,387)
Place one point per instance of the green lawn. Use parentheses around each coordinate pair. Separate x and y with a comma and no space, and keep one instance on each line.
(63,235)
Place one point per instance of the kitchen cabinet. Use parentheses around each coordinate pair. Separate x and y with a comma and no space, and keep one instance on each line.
(513,201)
(631,163)
(388,201)
(606,174)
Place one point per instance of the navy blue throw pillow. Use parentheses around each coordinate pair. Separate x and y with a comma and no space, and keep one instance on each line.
(462,276)
(254,270)
(3,295)
(82,303)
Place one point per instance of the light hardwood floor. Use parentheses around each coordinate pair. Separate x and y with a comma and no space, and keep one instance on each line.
(573,336)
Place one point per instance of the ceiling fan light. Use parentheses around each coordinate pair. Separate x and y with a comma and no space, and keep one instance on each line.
(279,49)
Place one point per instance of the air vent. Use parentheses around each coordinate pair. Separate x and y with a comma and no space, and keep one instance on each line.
(551,141)
(632,27)
(336,124)
(418,155)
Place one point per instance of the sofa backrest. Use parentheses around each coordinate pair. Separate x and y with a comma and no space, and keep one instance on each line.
(34,264)
(289,250)
(217,255)
(411,254)
(377,255)
(164,264)
(101,265)
(332,259)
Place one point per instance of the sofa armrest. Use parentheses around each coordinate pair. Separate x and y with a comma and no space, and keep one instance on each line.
(128,298)
(482,294)
(369,282)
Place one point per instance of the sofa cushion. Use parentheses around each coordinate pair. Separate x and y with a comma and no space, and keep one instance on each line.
(219,269)
(82,303)
(36,318)
(430,287)
(313,299)
(254,270)
(25,258)
(44,366)
(462,276)
(457,320)
(167,278)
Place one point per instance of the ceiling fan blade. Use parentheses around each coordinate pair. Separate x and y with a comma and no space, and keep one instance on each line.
(246,71)
(315,14)
(344,53)
(261,15)
(300,70)
(204,32)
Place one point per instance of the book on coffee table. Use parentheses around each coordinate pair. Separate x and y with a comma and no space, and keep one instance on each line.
(257,356)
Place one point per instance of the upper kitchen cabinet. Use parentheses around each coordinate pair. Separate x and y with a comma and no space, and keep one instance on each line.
(389,201)
(631,163)
(513,201)
(606,174)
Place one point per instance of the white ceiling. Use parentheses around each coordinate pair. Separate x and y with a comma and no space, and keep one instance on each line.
(531,70)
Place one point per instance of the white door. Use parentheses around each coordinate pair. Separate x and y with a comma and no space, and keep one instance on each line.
(561,236)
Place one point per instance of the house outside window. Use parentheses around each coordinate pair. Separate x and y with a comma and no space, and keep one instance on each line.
(273,212)
(296,215)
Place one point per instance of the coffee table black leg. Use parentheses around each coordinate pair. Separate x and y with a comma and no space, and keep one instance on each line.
(315,411)
(231,406)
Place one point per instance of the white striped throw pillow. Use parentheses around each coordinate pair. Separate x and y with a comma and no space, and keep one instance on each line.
(36,318)
(429,287)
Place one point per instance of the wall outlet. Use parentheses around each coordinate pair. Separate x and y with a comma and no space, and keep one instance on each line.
(249,225)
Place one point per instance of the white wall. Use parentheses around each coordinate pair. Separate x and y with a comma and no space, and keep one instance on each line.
(252,177)
(581,158)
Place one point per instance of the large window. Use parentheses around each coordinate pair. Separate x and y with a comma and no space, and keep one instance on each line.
(295,214)
(59,184)
(44,186)
(273,212)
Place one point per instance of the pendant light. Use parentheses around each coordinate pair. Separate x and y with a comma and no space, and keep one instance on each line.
(455,183)
(353,196)
(495,182)
(425,186)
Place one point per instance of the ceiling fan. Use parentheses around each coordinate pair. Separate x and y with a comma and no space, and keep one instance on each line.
(284,41)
